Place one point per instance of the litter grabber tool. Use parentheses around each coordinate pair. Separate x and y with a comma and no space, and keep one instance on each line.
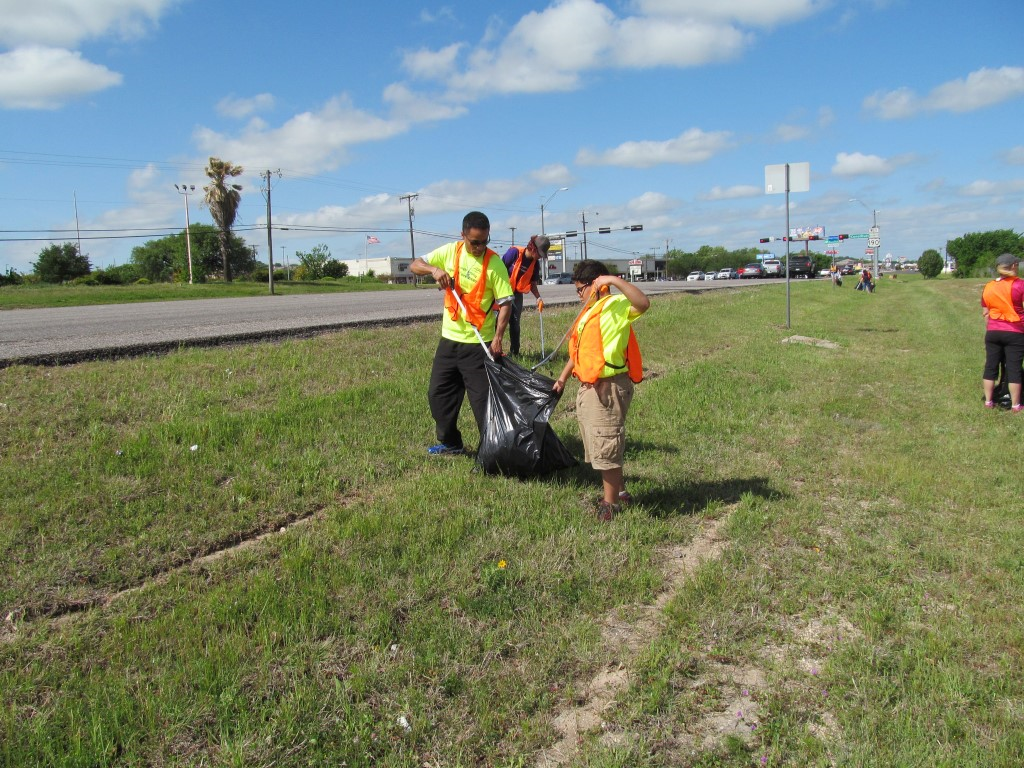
(540,316)
(588,305)
(458,299)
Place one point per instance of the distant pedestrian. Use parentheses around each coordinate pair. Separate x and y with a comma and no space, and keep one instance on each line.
(1002,306)
(866,283)
(524,274)
(605,357)
(471,269)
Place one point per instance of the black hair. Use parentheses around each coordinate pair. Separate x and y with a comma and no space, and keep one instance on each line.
(475,220)
(588,270)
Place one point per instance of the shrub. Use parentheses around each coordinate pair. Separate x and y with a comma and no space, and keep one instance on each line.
(930,263)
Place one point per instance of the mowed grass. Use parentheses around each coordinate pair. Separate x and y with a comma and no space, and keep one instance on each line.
(36,296)
(403,610)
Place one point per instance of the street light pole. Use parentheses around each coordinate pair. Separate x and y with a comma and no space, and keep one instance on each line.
(185,190)
(543,204)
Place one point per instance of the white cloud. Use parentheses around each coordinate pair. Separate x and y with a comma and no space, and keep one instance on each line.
(555,175)
(44,78)
(65,23)
(407,106)
(651,203)
(732,193)
(983,188)
(692,146)
(310,142)
(237,107)
(1014,156)
(753,12)
(981,88)
(432,65)
(550,50)
(857,164)
(791,132)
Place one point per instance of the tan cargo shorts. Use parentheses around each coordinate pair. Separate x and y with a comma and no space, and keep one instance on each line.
(601,411)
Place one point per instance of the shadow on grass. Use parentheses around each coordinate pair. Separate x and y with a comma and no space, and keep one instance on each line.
(692,498)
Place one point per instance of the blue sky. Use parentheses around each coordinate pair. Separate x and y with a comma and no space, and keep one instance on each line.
(655,112)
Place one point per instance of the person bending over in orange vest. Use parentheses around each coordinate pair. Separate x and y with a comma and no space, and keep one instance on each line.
(524,275)
(476,272)
(605,357)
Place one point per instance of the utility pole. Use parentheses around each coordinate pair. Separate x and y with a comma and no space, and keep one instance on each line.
(412,243)
(513,235)
(583,217)
(270,237)
(185,189)
(79,231)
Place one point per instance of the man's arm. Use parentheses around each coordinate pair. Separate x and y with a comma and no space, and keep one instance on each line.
(504,313)
(636,297)
(422,268)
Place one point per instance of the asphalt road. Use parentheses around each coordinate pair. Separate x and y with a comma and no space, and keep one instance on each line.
(65,335)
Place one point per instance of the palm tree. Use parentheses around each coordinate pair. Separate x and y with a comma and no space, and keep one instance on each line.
(223,199)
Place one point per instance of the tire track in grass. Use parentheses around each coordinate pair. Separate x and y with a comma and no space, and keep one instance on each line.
(625,639)
(67,611)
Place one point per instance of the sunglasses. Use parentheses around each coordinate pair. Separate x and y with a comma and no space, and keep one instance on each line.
(479,243)
(582,288)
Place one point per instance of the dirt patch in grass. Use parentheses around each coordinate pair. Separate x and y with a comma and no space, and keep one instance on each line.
(625,638)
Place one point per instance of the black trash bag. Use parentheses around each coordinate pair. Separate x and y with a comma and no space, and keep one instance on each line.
(1001,391)
(517,439)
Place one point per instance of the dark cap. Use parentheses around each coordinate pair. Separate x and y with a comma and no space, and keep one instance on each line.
(1006,260)
(542,243)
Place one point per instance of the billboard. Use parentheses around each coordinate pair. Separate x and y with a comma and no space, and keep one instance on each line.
(806,233)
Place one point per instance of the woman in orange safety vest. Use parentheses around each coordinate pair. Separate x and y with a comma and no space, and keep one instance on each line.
(605,357)
(1002,304)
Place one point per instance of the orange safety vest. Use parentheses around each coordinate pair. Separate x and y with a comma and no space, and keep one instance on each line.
(474,314)
(586,348)
(998,298)
(524,282)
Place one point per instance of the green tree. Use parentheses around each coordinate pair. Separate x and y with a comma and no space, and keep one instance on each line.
(335,268)
(930,263)
(975,253)
(314,261)
(57,263)
(167,258)
(155,259)
(223,200)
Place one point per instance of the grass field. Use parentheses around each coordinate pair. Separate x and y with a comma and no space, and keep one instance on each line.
(244,557)
(43,295)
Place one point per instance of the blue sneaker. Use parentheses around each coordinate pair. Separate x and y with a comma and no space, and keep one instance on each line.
(445,450)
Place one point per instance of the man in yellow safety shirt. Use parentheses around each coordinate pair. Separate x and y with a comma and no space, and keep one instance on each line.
(478,275)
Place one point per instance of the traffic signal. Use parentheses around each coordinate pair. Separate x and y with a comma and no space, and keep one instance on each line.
(844,237)
(765,240)
(636,227)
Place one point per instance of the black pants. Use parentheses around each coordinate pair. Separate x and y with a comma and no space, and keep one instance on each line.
(1005,346)
(458,369)
(513,323)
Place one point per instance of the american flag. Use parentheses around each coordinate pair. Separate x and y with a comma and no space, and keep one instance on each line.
(371,240)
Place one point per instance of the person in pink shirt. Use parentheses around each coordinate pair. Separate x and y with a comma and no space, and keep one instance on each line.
(1002,304)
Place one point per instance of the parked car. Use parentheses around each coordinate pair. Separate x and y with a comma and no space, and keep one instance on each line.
(847,269)
(558,280)
(773,268)
(695,275)
(727,273)
(801,266)
(751,271)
